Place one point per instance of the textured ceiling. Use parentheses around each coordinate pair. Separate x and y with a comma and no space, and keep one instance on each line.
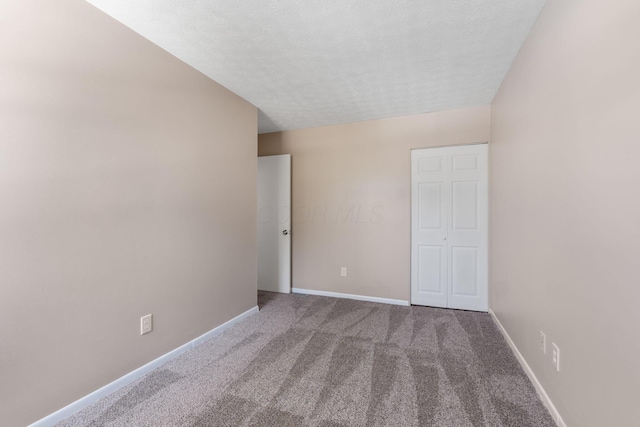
(307,63)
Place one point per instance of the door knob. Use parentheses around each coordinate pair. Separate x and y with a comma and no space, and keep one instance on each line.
(285,232)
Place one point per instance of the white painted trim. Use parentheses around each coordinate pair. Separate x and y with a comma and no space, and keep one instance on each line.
(527,369)
(350,296)
(87,400)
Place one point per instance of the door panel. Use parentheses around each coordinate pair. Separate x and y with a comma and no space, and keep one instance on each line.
(431,275)
(430,164)
(464,271)
(465,205)
(465,163)
(449,237)
(274,218)
(430,211)
(430,262)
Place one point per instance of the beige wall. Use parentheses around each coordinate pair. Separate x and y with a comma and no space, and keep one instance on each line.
(351,197)
(565,224)
(116,164)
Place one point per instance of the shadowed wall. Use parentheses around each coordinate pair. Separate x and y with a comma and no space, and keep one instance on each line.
(565,211)
(128,187)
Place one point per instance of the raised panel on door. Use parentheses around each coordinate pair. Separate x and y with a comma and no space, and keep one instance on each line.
(464,271)
(465,205)
(467,287)
(465,162)
(431,275)
(430,206)
(427,165)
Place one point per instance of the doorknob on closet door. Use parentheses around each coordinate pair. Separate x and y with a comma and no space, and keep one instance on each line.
(285,232)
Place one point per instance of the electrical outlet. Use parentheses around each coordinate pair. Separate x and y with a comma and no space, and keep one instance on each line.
(146,324)
(556,356)
(543,343)
(343,272)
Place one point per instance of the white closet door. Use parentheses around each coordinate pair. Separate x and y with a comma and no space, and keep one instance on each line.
(449,227)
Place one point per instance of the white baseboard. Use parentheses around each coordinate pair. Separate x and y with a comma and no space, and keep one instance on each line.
(541,392)
(87,400)
(350,296)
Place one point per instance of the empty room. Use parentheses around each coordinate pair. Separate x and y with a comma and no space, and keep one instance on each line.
(319,213)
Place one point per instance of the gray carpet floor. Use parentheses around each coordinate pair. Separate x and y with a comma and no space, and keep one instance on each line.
(316,361)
